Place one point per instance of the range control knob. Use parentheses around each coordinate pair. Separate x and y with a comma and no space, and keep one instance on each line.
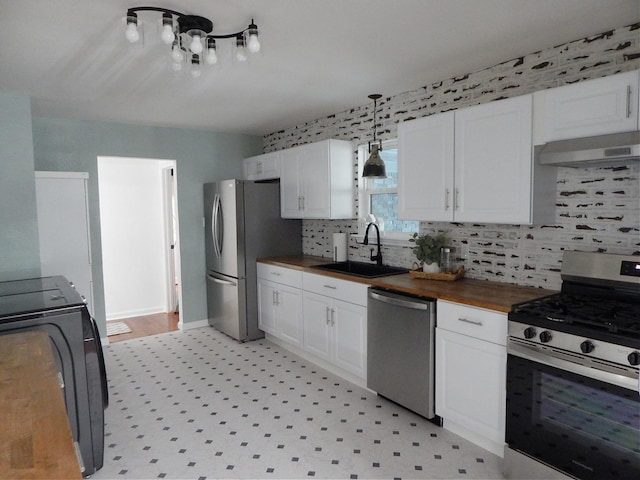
(634,358)
(545,336)
(529,332)
(587,346)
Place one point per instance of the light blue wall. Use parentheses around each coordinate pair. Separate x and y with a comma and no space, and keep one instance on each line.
(19,249)
(201,157)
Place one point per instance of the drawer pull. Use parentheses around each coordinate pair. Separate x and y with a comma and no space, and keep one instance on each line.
(275,273)
(329,286)
(472,322)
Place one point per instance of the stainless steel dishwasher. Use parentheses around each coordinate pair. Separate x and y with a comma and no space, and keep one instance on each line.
(400,349)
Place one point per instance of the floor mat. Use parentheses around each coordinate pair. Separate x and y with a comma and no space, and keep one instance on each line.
(116,328)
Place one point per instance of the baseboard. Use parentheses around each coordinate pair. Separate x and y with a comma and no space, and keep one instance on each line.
(135,313)
(191,325)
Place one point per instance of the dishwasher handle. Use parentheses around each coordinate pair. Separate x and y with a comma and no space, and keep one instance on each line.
(398,301)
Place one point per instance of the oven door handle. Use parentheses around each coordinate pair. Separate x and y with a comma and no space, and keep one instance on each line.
(615,375)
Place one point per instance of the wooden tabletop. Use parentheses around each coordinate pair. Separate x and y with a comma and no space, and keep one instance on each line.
(35,438)
(478,293)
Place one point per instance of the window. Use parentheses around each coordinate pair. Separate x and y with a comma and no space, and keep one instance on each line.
(379,197)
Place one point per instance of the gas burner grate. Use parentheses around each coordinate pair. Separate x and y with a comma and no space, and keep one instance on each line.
(606,314)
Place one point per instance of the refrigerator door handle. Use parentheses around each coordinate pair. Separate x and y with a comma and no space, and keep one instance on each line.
(216,225)
(219,280)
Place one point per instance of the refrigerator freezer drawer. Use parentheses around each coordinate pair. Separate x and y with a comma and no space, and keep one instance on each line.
(226,304)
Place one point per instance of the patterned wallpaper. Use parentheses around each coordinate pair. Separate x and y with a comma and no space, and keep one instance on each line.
(598,209)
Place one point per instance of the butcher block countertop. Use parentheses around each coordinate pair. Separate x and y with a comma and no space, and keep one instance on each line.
(35,438)
(478,293)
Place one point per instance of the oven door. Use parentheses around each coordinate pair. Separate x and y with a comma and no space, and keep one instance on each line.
(580,420)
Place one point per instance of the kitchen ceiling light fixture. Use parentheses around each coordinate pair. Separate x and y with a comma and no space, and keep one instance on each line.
(374,166)
(190,38)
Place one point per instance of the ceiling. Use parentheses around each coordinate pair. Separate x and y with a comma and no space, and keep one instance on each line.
(318,57)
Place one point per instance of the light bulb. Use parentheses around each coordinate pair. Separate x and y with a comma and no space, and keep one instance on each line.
(195,66)
(132,33)
(176,66)
(167,34)
(212,57)
(241,54)
(196,45)
(176,54)
(253,44)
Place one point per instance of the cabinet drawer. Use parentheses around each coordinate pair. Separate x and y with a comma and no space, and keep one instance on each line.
(344,290)
(286,276)
(475,322)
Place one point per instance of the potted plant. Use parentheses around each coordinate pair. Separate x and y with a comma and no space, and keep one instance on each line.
(427,250)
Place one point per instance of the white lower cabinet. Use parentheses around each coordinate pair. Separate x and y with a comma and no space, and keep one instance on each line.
(280,303)
(335,322)
(471,361)
(321,318)
(335,331)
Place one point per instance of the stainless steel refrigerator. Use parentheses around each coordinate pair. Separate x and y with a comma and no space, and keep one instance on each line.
(242,223)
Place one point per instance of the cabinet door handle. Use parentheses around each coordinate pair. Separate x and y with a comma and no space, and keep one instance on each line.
(276,297)
(456,200)
(333,322)
(628,101)
(328,316)
(259,165)
(446,199)
(472,322)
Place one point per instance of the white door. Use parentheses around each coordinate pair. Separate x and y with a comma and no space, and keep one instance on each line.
(316,181)
(290,206)
(63,229)
(266,306)
(349,322)
(317,319)
(425,168)
(290,315)
(493,165)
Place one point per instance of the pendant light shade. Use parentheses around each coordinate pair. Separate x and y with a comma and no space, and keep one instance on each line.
(374,166)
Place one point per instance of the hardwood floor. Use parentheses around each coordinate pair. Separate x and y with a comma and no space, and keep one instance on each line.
(146,325)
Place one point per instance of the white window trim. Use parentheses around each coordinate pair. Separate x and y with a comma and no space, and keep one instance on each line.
(364,200)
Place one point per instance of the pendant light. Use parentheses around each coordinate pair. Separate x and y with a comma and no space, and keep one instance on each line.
(374,166)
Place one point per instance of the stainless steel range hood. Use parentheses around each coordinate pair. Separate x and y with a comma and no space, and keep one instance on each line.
(603,150)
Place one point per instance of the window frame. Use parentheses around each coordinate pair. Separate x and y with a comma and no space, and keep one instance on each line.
(365,191)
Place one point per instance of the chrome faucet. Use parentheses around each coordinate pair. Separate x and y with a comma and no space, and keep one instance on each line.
(378,257)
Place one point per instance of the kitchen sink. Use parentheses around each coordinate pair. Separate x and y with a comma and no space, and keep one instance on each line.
(361,269)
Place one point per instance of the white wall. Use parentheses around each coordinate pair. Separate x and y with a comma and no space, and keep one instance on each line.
(132,234)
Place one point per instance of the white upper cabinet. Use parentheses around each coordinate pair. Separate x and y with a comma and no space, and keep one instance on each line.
(474,165)
(425,168)
(262,167)
(493,162)
(593,107)
(316,180)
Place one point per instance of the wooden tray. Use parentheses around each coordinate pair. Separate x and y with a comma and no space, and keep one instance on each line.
(449,277)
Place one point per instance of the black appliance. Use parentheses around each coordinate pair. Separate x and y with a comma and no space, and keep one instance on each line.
(573,397)
(52,304)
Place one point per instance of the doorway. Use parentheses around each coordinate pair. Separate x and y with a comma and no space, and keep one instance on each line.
(140,239)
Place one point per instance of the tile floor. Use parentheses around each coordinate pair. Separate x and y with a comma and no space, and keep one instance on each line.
(197,404)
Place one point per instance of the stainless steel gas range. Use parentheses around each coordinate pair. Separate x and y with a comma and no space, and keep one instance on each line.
(573,394)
